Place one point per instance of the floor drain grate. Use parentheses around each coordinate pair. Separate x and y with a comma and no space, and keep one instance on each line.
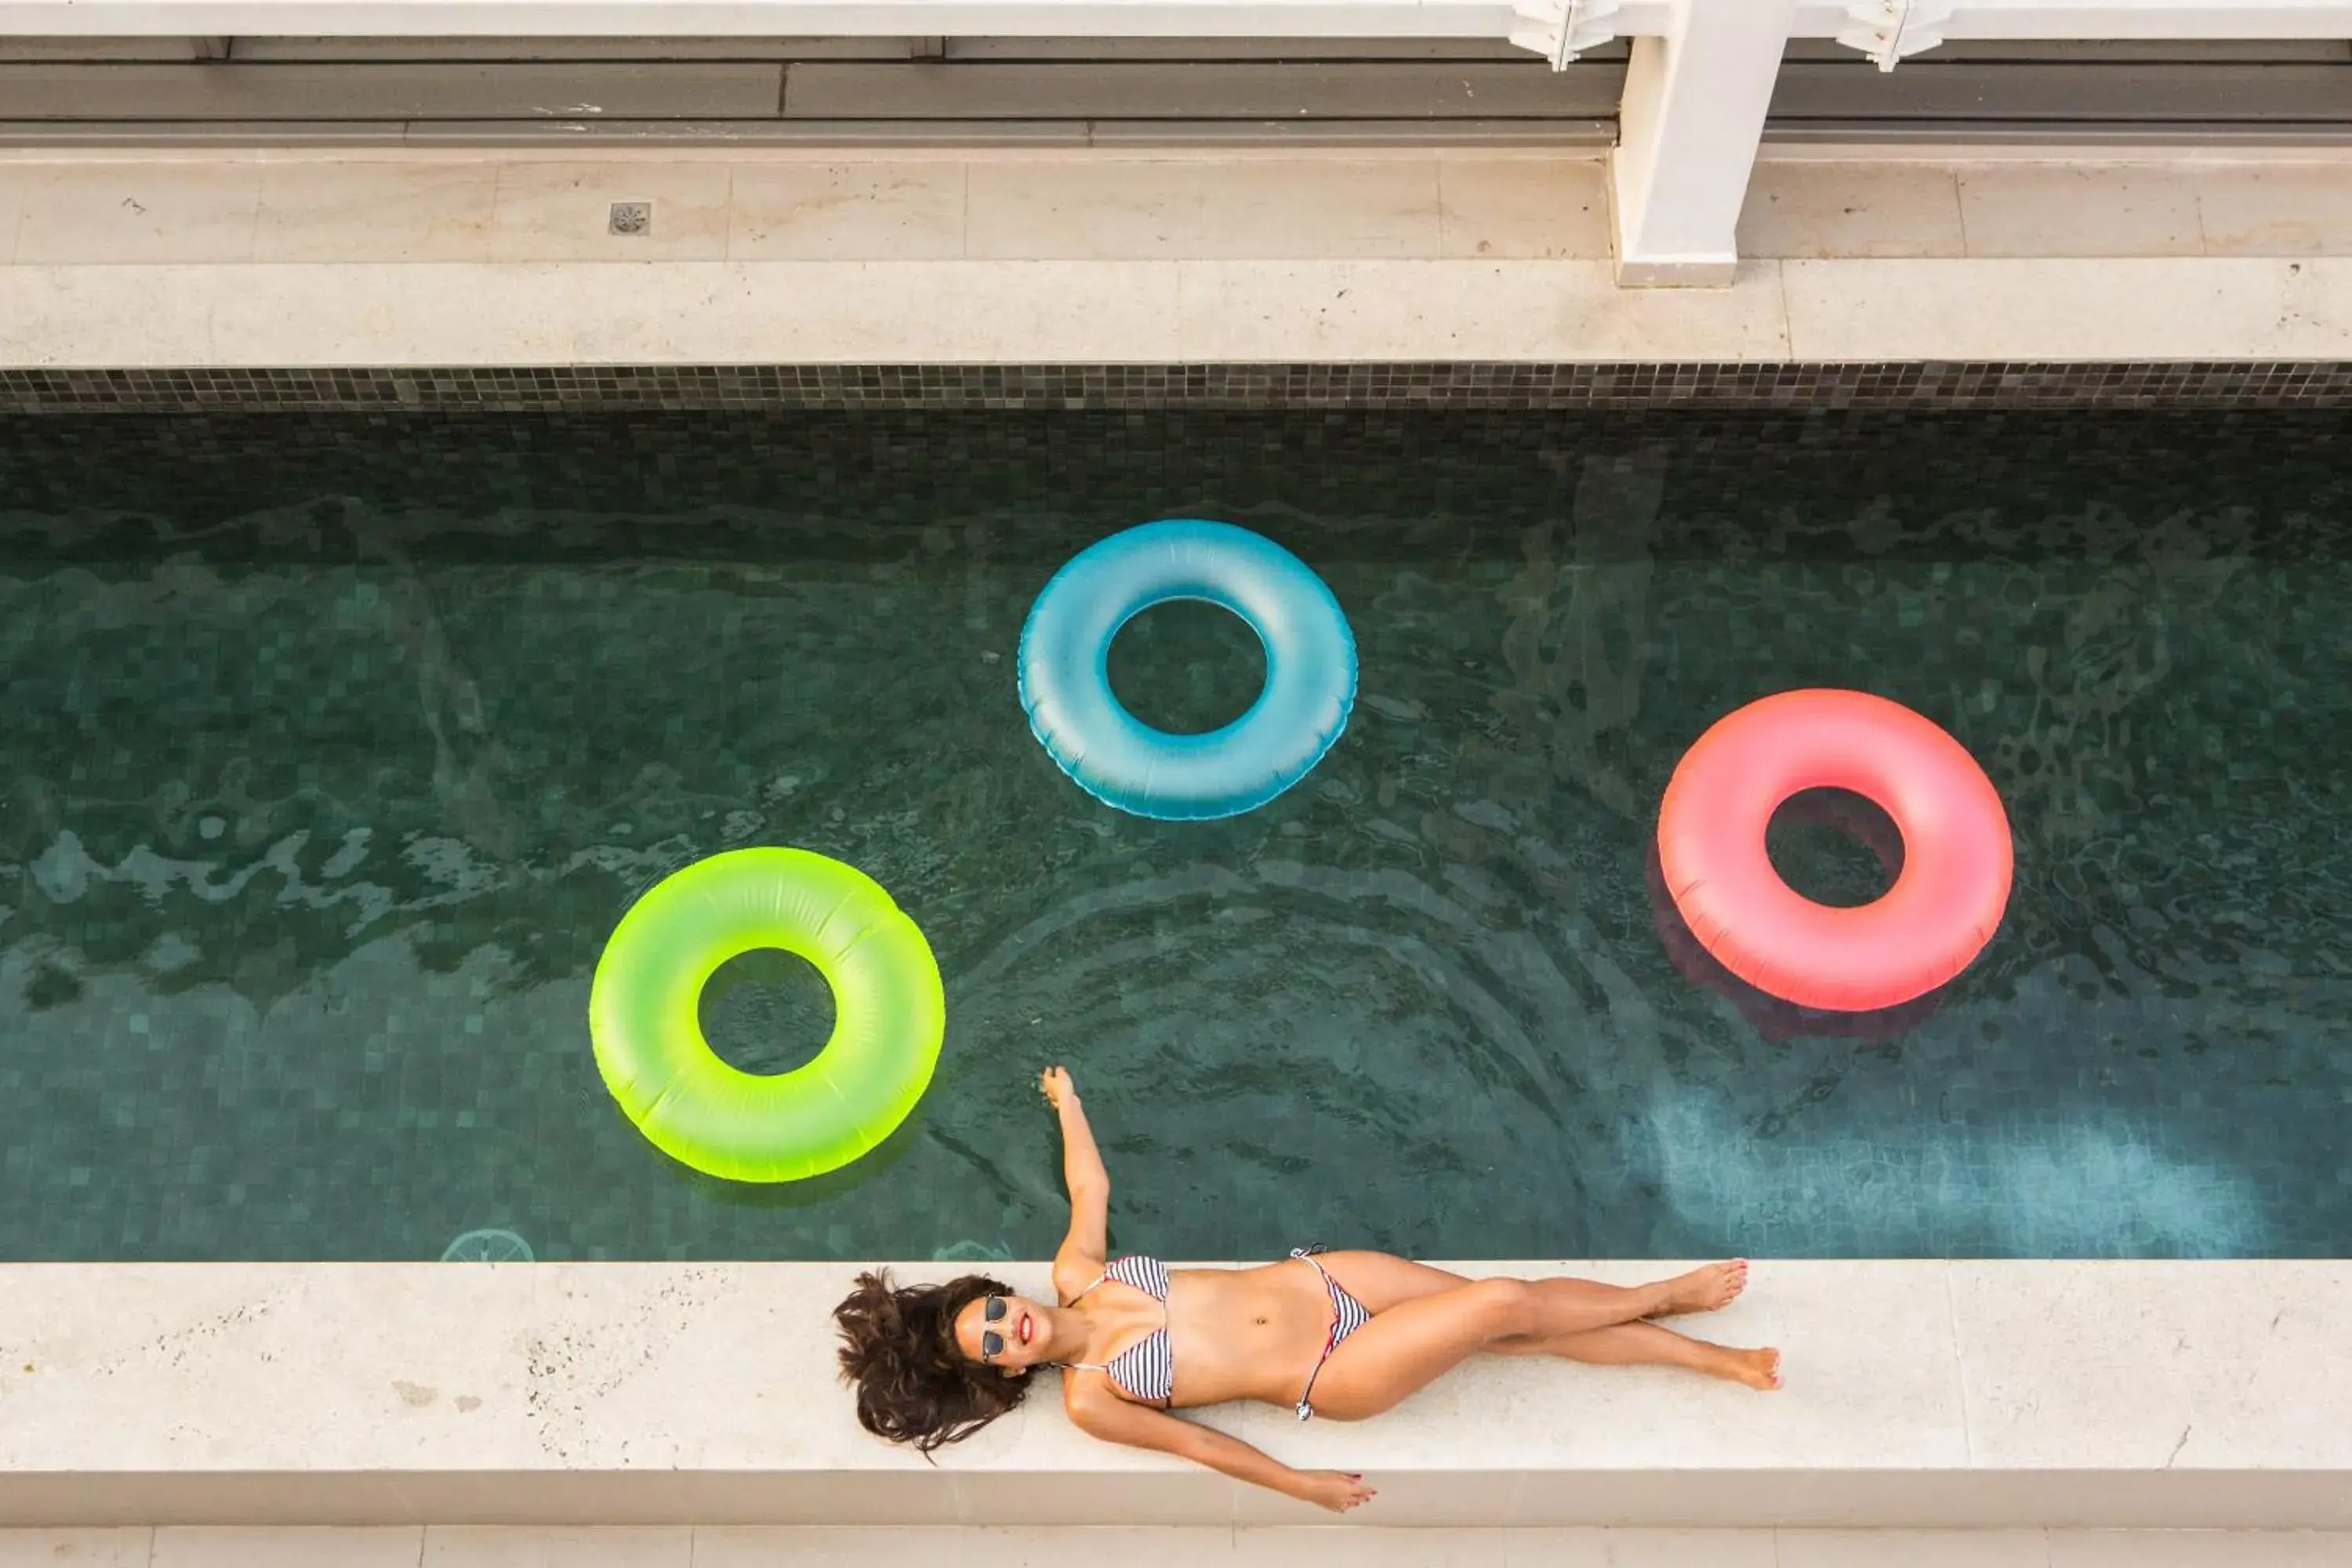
(631,217)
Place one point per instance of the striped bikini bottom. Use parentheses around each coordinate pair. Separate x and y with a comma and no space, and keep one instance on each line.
(1348,1315)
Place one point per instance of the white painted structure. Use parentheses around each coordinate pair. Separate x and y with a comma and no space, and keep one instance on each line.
(1696,92)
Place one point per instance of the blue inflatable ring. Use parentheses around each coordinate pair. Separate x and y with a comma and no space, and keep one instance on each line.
(1310,670)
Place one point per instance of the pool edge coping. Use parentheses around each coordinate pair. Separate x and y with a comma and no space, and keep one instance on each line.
(1921,1394)
(1394,334)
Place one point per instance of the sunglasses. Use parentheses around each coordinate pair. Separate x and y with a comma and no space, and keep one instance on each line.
(991,1344)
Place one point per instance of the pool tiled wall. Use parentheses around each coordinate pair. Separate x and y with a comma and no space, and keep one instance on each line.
(1914,383)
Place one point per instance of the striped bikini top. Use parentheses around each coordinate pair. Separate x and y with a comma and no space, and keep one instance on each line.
(1146,1369)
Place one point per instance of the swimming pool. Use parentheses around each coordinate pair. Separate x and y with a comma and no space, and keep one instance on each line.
(337,745)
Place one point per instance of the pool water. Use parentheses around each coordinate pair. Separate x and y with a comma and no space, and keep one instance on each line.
(336,746)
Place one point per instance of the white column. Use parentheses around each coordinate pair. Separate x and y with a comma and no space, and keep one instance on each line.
(1693,113)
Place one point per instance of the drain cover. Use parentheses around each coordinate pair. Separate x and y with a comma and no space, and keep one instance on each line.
(490,1245)
(631,217)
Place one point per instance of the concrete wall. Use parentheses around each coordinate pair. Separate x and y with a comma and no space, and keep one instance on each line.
(1919,1393)
(288,259)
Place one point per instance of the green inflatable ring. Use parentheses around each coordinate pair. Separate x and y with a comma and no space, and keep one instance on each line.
(889,1013)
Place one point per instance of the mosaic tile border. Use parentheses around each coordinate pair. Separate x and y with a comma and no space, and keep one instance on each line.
(1436,384)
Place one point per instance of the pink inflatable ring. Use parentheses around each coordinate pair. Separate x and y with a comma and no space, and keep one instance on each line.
(1957,861)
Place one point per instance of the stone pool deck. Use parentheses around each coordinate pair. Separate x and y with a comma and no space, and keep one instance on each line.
(1919,1395)
(119,258)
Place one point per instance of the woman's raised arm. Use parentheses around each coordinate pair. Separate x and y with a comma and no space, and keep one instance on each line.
(1084,1250)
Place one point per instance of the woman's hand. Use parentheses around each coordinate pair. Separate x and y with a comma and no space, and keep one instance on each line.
(1054,1084)
(1338,1490)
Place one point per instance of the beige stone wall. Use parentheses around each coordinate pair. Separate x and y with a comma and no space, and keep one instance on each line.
(2206,1395)
(294,259)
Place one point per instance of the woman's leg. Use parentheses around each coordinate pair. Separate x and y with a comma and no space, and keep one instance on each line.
(1647,1344)
(1381,1281)
(1409,1346)
(1426,1321)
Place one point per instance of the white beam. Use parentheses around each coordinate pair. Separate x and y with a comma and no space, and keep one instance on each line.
(1688,128)
(2017,20)
(2093,20)
(771,18)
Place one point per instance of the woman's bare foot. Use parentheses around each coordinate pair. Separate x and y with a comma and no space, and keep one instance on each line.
(1759,1370)
(1707,1289)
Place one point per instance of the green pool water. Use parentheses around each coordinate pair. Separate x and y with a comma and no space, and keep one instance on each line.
(336,746)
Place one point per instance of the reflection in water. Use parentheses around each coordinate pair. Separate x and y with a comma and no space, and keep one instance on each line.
(1771,1017)
(2063,1189)
(972,1251)
(327,776)
(1577,636)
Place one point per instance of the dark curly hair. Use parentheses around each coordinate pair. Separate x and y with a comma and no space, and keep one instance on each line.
(914,1385)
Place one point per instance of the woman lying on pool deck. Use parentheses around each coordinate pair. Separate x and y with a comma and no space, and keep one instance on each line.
(1343,1335)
